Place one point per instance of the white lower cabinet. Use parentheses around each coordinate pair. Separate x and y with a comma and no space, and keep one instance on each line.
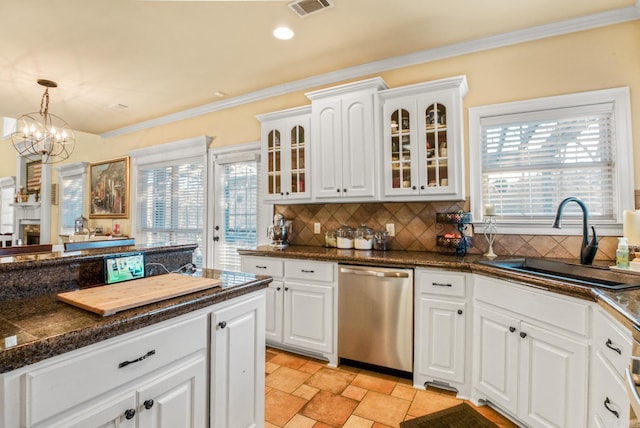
(153,377)
(440,339)
(531,353)
(608,400)
(301,304)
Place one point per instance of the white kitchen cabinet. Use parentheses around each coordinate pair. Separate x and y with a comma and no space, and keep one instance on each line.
(237,364)
(608,400)
(152,377)
(301,304)
(285,155)
(345,129)
(423,147)
(440,343)
(530,353)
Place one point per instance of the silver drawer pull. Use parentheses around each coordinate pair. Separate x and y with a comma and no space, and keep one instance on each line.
(126,363)
(441,284)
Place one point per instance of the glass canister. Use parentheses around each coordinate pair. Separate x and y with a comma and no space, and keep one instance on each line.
(344,237)
(330,239)
(363,238)
(381,240)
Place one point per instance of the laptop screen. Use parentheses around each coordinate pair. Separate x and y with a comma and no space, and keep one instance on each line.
(123,267)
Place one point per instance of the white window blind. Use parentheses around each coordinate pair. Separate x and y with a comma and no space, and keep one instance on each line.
(170,203)
(71,203)
(526,156)
(530,162)
(7,193)
(72,183)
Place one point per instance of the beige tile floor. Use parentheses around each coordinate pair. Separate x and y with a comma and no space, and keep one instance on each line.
(304,393)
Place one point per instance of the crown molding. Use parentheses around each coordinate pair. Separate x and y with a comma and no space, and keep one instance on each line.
(587,22)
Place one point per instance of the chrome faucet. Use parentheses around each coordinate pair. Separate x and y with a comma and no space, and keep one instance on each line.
(589,246)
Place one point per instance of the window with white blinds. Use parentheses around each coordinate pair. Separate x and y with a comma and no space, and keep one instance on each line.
(7,193)
(72,183)
(530,160)
(238,200)
(170,203)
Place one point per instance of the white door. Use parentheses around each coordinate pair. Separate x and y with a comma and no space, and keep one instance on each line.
(308,316)
(553,379)
(495,358)
(441,338)
(234,203)
(176,399)
(237,365)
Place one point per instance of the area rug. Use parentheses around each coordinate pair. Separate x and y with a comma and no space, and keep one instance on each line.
(460,416)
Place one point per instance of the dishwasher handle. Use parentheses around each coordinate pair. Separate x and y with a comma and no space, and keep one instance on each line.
(374,272)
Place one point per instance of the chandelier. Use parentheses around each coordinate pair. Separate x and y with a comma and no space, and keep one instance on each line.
(42,136)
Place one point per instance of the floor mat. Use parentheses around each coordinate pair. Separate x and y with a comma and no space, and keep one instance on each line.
(460,416)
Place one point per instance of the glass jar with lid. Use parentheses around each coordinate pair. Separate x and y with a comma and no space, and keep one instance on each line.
(330,239)
(344,237)
(363,238)
(381,240)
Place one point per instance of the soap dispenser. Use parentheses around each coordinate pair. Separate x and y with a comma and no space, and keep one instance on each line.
(622,254)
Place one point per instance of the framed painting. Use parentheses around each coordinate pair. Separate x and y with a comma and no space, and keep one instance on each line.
(109,188)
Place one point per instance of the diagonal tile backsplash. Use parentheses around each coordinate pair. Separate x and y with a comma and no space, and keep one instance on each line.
(416,229)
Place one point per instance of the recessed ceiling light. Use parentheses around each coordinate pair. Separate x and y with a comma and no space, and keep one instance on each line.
(220,94)
(283,33)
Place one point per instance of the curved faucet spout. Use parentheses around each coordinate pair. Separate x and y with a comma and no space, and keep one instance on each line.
(589,247)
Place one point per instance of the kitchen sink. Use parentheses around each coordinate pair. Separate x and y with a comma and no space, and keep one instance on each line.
(587,275)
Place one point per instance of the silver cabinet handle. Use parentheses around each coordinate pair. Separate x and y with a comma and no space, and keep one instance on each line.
(378,273)
(631,386)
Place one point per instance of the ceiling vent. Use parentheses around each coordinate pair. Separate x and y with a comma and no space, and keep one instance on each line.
(307,7)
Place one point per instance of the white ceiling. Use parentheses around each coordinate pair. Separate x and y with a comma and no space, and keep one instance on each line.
(163,57)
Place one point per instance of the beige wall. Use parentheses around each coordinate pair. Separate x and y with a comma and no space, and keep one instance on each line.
(589,60)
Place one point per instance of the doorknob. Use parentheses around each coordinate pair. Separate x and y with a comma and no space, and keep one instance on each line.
(216,238)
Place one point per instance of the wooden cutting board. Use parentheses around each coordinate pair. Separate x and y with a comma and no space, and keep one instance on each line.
(109,299)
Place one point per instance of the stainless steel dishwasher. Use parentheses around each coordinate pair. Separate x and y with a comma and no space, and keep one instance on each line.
(375,316)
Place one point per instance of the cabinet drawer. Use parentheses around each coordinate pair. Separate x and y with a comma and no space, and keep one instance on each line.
(310,270)
(612,340)
(443,284)
(263,266)
(86,373)
(608,395)
(564,313)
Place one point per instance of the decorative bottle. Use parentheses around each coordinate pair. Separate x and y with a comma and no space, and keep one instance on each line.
(622,254)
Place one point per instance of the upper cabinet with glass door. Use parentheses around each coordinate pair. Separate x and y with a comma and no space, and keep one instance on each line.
(423,147)
(285,155)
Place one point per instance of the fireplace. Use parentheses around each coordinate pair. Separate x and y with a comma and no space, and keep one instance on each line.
(30,234)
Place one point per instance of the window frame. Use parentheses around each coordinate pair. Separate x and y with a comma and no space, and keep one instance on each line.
(170,154)
(623,159)
(65,171)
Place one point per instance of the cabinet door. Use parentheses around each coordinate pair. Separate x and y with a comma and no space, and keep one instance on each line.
(177,398)
(297,138)
(275,305)
(274,155)
(237,364)
(327,149)
(553,379)
(609,403)
(400,148)
(495,356)
(358,146)
(308,316)
(440,339)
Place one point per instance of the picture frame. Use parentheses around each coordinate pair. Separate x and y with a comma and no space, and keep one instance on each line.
(109,188)
(34,176)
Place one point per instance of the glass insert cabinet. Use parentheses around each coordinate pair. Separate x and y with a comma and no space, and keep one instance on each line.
(285,150)
(422,142)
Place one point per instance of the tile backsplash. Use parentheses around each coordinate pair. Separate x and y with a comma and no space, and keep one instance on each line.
(416,229)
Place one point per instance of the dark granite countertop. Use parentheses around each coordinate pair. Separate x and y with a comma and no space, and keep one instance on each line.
(624,305)
(38,327)
(66,257)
